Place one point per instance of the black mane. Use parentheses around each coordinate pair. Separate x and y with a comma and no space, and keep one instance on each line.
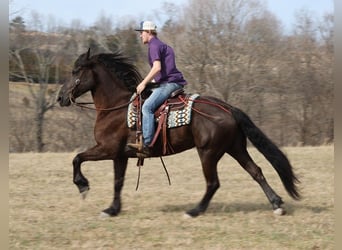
(117,64)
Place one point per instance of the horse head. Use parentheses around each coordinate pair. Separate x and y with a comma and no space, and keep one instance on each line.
(82,80)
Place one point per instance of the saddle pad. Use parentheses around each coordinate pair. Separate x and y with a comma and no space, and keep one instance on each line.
(175,118)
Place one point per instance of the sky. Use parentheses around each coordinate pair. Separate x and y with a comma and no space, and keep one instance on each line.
(88,11)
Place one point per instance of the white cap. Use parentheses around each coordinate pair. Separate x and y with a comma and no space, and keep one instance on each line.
(147,25)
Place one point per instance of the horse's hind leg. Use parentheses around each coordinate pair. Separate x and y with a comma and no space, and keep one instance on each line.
(209,166)
(243,157)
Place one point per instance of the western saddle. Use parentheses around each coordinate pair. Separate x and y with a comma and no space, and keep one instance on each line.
(177,101)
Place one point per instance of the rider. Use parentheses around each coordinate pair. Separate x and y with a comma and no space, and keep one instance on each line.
(164,72)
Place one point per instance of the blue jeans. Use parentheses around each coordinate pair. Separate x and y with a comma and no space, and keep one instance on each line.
(158,96)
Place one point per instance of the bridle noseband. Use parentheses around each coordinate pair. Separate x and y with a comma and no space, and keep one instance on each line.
(73,87)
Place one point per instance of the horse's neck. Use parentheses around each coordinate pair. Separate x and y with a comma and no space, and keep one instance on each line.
(109,93)
(109,98)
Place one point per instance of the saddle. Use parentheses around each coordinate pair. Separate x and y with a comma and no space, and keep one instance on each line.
(174,112)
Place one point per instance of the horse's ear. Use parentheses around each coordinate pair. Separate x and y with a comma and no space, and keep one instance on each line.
(88,54)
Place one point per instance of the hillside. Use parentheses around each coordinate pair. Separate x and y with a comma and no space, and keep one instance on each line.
(65,129)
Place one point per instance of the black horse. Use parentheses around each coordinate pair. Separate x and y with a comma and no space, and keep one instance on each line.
(112,79)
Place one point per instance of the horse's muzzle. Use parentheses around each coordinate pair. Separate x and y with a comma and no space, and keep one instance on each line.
(62,98)
(63,102)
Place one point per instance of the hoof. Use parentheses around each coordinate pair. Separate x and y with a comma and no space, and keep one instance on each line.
(104,215)
(279,211)
(194,213)
(84,194)
(111,212)
(187,216)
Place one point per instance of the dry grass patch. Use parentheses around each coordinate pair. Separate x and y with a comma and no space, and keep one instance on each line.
(46,211)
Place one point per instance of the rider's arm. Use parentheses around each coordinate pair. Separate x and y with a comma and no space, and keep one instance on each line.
(156,67)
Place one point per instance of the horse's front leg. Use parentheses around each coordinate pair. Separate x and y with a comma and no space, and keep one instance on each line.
(120,166)
(92,154)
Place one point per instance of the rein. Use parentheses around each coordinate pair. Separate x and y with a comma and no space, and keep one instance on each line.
(84,105)
(205,102)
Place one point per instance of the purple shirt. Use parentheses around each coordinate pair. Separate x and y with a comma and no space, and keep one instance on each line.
(157,50)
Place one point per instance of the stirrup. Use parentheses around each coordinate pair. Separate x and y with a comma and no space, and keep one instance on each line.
(137,146)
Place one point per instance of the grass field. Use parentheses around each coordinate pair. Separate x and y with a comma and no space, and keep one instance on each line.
(46,211)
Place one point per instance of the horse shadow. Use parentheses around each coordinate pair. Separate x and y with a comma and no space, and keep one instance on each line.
(242,207)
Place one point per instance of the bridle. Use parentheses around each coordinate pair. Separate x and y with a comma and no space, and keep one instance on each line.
(84,104)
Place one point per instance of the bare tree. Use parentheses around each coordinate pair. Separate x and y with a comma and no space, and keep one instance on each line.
(18,44)
(232,49)
(326,74)
(311,80)
(213,44)
(40,57)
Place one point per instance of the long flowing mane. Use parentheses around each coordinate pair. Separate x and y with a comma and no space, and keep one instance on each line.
(117,64)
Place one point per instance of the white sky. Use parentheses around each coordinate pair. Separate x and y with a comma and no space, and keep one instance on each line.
(88,11)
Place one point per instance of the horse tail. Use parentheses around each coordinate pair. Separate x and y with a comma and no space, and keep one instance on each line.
(270,151)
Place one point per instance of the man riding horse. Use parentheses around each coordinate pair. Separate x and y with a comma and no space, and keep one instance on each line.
(163,72)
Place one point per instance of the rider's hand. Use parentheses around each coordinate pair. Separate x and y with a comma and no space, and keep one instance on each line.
(141,87)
